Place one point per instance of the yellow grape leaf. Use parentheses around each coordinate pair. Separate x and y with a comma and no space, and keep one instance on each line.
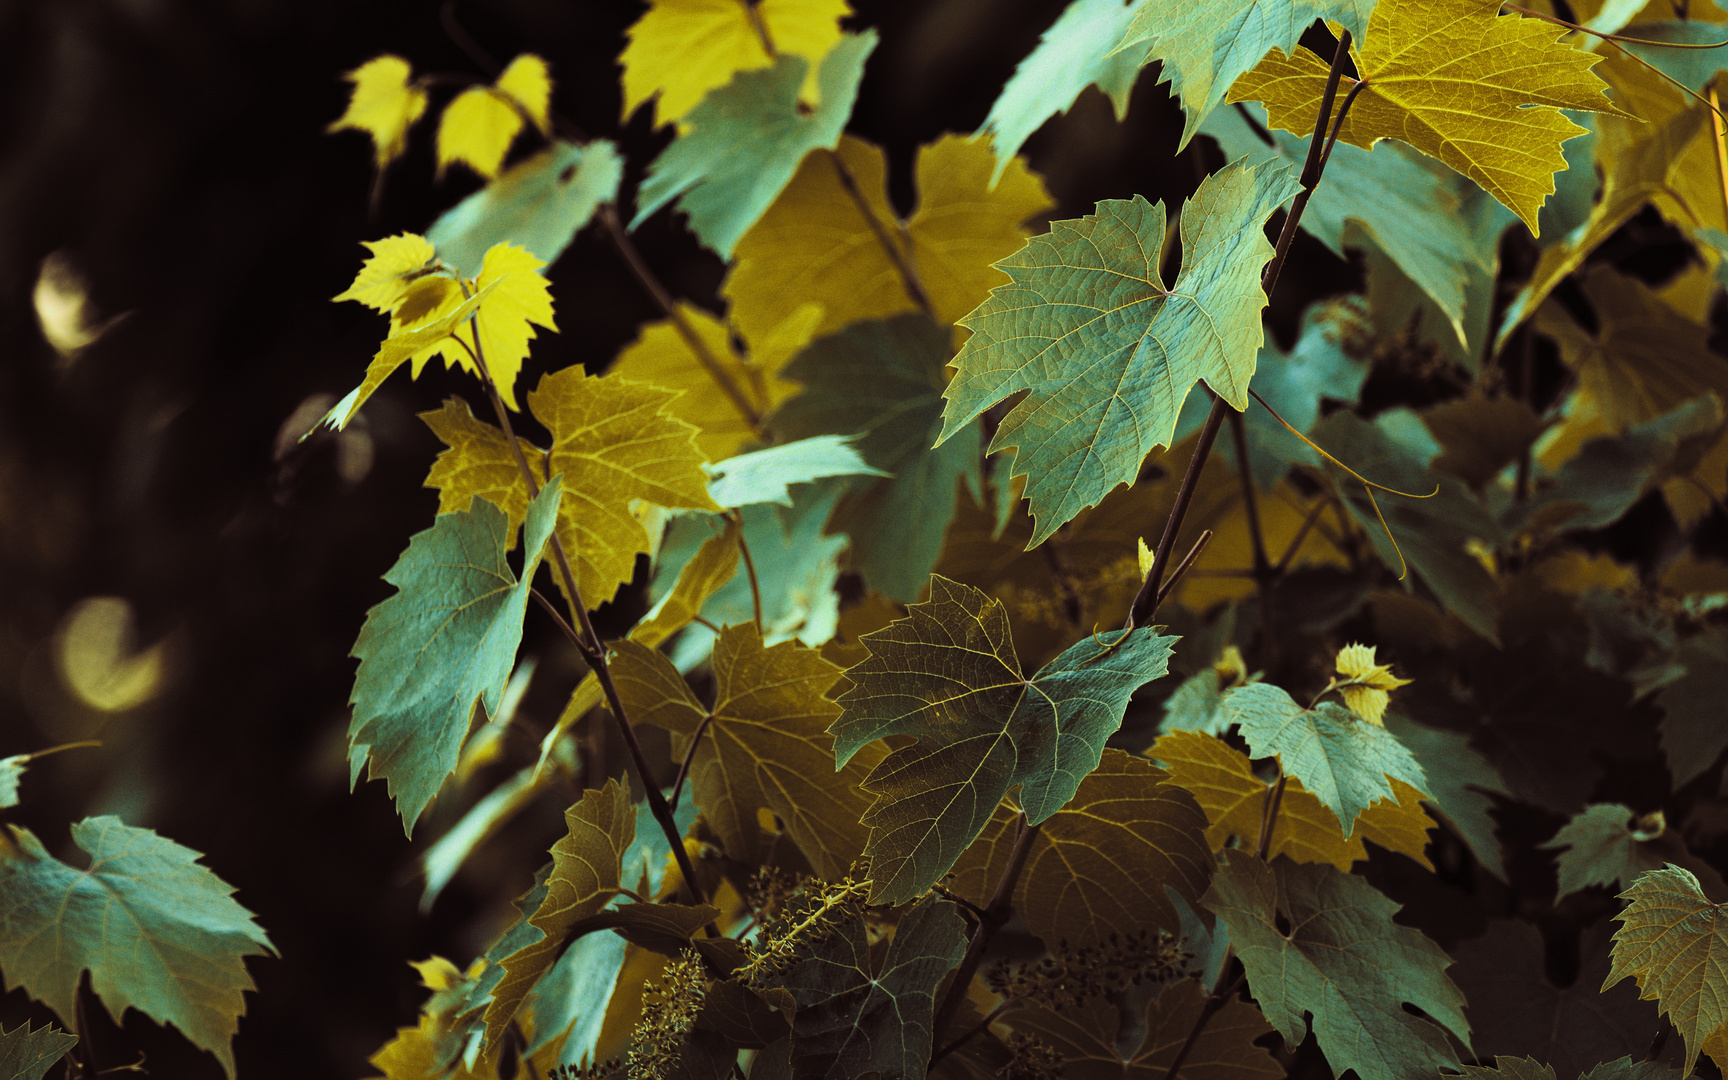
(398,349)
(384,105)
(1365,686)
(816,245)
(1674,942)
(1100,864)
(766,744)
(416,1053)
(661,356)
(395,264)
(481,122)
(681,49)
(478,462)
(586,868)
(614,442)
(1234,799)
(1479,91)
(520,296)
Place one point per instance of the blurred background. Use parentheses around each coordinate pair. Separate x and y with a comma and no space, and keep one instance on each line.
(179,578)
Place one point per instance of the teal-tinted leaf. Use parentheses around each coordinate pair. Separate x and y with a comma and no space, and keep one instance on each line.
(539,204)
(1345,761)
(1434,534)
(882,380)
(763,476)
(1343,959)
(445,857)
(571,999)
(1693,734)
(1294,383)
(1073,54)
(742,144)
(1107,351)
(1206,45)
(446,640)
(1460,780)
(11,772)
(1605,845)
(854,1017)
(157,932)
(1404,202)
(948,674)
(27,1054)
(1691,68)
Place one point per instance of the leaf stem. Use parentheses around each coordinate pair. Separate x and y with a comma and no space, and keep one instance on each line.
(902,260)
(1222,992)
(752,415)
(737,517)
(1269,815)
(689,756)
(995,914)
(1146,602)
(1308,523)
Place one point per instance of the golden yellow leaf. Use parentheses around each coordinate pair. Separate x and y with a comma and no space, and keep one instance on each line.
(764,745)
(395,264)
(1366,686)
(1478,91)
(1574,573)
(480,123)
(521,297)
(417,344)
(815,244)
(384,105)
(414,1054)
(1234,799)
(681,49)
(478,462)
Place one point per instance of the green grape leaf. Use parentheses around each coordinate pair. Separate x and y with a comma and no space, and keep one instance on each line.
(1509,1068)
(586,865)
(1346,761)
(1632,1068)
(539,204)
(1674,942)
(1461,780)
(1100,1041)
(1693,734)
(570,1001)
(28,1054)
(1073,54)
(767,475)
(948,675)
(882,381)
(855,1017)
(11,774)
(742,144)
(1206,46)
(157,932)
(764,745)
(446,640)
(1515,1009)
(1109,352)
(1692,68)
(1102,864)
(1604,845)
(1342,959)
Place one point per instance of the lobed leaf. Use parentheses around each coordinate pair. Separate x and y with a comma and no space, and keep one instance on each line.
(537,204)
(481,122)
(384,105)
(28,1053)
(1674,942)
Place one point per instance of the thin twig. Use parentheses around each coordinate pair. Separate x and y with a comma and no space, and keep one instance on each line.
(901,259)
(568,630)
(689,756)
(1146,602)
(1308,523)
(750,569)
(1187,564)
(996,913)
(1269,816)
(757,24)
(972,1032)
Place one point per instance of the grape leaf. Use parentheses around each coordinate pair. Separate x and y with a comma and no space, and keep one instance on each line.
(478,462)
(11,773)
(570,1001)
(538,204)
(1204,47)
(157,932)
(1604,845)
(1693,735)
(479,822)
(680,50)
(1221,778)
(767,475)
(1342,959)
(855,1017)
(481,122)
(1101,864)
(446,640)
(392,265)
(613,442)
(1674,943)
(1107,351)
(816,243)
(1480,92)
(397,349)
(384,105)
(1073,54)
(1509,1068)
(764,745)
(1461,780)
(948,675)
(882,381)
(742,144)
(1345,761)
(28,1054)
(1515,1009)
(1091,1038)
(585,877)
(501,329)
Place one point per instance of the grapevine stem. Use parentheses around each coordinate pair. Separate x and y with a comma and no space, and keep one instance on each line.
(749,569)
(902,260)
(689,756)
(1146,603)
(995,914)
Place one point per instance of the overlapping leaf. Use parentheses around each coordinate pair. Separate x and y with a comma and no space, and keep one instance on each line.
(1693,735)
(1604,845)
(1343,960)
(764,744)
(1674,942)
(744,141)
(28,1053)
(1109,352)
(1461,781)
(538,204)
(445,641)
(481,122)
(1480,92)
(768,475)
(156,931)
(384,105)
(948,675)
